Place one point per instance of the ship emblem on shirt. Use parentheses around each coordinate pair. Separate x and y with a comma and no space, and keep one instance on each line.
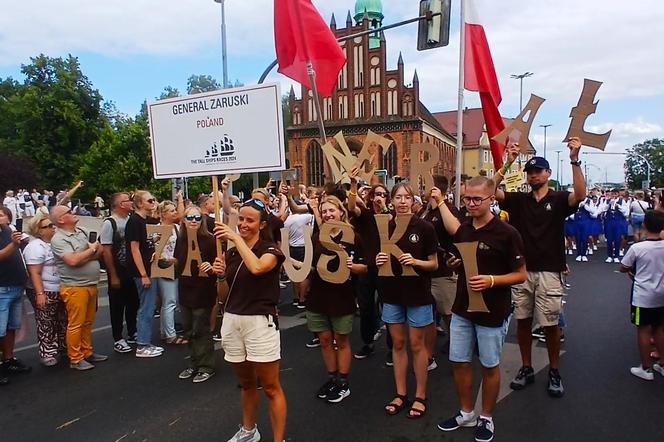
(483,246)
(414,238)
(548,207)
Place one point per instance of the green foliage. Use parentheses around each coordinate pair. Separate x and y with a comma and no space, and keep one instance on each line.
(201,83)
(636,170)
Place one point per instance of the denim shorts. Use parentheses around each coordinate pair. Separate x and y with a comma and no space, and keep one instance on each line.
(464,334)
(417,315)
(10,309)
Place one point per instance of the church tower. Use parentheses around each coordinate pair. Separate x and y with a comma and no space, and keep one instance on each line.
(371,10)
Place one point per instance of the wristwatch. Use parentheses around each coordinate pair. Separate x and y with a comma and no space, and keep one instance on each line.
(575,163)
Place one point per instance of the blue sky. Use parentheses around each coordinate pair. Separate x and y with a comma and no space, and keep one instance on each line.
(131,49)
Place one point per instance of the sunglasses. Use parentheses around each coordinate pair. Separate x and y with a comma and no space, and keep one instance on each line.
(381,194)
(476,200)
(256,203)
(47,226)
(151,200)
(193,217)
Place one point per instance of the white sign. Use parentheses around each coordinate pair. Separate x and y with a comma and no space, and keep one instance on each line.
(236,130)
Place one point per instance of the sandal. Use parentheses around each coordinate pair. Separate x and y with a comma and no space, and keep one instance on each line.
(395,408)
(416,413)
(177,340)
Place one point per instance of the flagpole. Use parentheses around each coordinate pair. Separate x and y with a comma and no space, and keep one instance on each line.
(459,146)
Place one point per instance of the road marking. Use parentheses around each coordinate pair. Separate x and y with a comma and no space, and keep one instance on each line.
(73,421)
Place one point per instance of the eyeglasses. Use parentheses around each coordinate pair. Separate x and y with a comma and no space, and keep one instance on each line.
(47,226)
(151,200)
(381,194)
(193,217)
(476,200)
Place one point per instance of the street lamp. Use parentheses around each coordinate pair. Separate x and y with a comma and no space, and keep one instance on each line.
(520,77)
(545,126)
(558,174)
(224,64)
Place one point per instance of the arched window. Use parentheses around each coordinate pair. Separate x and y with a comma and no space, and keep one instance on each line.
(315,164)
(388,160)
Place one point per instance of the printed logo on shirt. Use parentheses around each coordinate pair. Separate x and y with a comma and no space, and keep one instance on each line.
(414,238)
(483,246)
(548,207)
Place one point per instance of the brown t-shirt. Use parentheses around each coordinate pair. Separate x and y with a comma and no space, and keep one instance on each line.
(420,241)
(333,299)
(274,225)
(499,252)
(365,225)
(253,294)
(445,242)
(196,291)
(542,227)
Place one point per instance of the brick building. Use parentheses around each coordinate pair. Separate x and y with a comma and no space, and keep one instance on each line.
(367,96)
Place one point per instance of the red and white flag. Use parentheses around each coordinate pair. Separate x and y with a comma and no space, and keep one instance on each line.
(301,35)
(480,76)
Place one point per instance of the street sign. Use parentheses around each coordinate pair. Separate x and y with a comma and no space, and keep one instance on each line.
(235,130)
(380,172)
(434,31)
(645,184)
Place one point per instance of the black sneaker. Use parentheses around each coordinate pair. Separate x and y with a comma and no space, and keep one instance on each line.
(525,377)
(555,387)
(14,366)
(538,333)
(484,430)
(216,337)
(457,421)
(338,393)
(388,359)
(315,342)
(364,352)
(131,339)
(157,314)
(325,389)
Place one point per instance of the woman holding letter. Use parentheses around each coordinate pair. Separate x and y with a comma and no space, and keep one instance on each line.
(331,302)
(250,330)
(407,295)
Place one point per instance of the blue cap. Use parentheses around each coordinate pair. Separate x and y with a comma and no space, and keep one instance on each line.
(536,163)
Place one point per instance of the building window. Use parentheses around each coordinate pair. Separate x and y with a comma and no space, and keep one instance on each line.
(327,108)
(375,76)
(375,104)
(392,103)
(359,105)
(407,106)
(358,67)
(315,164)
(343,75)
(343,107)
(388,160)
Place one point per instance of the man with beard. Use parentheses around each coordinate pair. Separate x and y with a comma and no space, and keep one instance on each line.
(539,216)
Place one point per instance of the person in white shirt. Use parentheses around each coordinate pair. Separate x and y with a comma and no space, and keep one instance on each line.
(11,203)
(643,263)
(295,224)
(638,209)
(43,290)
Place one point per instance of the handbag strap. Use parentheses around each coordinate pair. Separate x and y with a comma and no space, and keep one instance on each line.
(230,290)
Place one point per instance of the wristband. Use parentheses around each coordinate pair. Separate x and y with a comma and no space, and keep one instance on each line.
(441,203)
(493,281)
(500,172)
(352,193)
(575,163)
(221,278)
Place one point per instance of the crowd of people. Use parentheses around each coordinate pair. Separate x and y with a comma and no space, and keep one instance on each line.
(404,257)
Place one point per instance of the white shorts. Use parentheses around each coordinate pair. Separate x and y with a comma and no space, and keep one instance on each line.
(253,338)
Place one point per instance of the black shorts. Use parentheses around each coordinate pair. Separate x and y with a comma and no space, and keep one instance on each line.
(297,253)
(647,316)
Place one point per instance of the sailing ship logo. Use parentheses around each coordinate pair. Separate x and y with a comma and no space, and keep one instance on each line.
(223,148)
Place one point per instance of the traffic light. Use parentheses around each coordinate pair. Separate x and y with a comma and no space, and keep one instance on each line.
(434,31)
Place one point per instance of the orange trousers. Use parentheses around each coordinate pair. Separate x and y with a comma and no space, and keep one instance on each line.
(81,305)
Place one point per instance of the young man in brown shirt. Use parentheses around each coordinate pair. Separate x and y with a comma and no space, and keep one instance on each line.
(539,216)
(500,264)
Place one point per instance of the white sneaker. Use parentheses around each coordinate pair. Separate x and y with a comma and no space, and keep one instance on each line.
(574,246)
(590,251)
(578,258)
(639,372)
(616,260)
(243,435)
(570,252)
(608,260)
(121,346)
(622,253)
(147,352)
(584,258)
(594,247)
(658,368)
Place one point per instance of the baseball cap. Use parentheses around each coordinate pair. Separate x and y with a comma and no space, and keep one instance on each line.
(536,163)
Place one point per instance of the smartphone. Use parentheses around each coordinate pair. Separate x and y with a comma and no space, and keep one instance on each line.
(92,237)
(19,225)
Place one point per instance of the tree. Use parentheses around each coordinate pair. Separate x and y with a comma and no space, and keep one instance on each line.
(169,92)
(52,118)
(201,83)
(16,172)
(636,170)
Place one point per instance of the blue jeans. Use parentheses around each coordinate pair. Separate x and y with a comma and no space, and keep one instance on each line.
(168,289)
(11,303)
(147,298)
(464,334)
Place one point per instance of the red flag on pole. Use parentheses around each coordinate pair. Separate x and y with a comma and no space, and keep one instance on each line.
(480,76)
(301,35)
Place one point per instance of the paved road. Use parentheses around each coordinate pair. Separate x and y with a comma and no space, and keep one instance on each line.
(131,399)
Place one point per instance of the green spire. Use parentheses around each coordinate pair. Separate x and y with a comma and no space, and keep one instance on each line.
(373,8)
